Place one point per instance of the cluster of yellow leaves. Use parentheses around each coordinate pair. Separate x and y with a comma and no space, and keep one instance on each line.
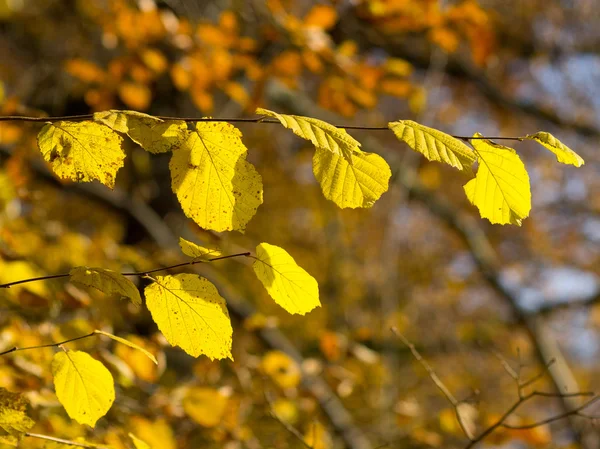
(210,56)
(349,81)
(500,189)
(445,26)
(191,314)
(129,78)
(221,191)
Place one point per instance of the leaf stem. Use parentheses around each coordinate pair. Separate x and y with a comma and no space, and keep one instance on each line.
(136,273)
(84,117)
(67,442)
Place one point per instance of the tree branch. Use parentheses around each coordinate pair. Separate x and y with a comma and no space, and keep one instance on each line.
(90,117)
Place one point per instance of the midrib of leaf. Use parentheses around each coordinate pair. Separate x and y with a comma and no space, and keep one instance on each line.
(291,281)
(496,180)
(97,161)
(87,395)
(190,307)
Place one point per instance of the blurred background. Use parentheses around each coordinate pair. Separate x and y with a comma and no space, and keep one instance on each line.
(487,306)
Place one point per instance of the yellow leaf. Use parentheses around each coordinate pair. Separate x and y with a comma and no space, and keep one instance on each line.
(151,133)
(196,251)
(280,367)
(317,437)
(320,133)
(206,406)
(154,59)
(288,284)
(434,145)
(158,432)
(83,385)
(82,151)
(214,183)
(135,95)
(501,189)
(356,184)
(139,444)
(321,16)
(14,421)
(564,154)
(140,364)
(191,314)
(20,269)
(107,281)
(128,343)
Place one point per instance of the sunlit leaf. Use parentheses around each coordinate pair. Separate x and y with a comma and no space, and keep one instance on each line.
(214,183)
(191,314)
(280,367)
(564,154)
(107,281)
(83,386)
(434,145)
(82,151)
(356,184)
(139,444)
(288,284)
(501,189)
(320,133)
(205,406)
(196,251)
(158,433)
(151,133)
(128,343)
(14,421)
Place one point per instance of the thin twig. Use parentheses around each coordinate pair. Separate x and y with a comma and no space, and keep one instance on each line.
(287,426)
(432,374)
(437,381)
(49,345)
(501,421)
(68,442)
(85,117)
(137,273)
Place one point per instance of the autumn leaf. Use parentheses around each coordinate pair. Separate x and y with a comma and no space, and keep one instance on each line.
(83,386)
(107,281)
(151,133)
(128,343)
(196,251)
(14,421)
(564,154)
(320,133)
(191,314)
(434,145)
(157,432)
(288,284)
(501,189)
(280,367)
(138,444)
(214,183)
(82,151)
(356,184)
(206,406)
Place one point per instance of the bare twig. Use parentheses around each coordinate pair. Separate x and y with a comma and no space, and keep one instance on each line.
(137,273)
(287,426)
(49,345)
(437,381)
(501,421)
